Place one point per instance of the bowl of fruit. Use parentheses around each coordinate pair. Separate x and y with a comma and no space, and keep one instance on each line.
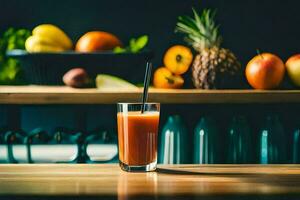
(49,53)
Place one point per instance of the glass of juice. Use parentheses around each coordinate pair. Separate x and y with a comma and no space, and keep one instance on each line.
(137,136)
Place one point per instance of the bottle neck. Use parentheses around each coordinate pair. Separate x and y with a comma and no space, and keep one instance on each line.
(174,119)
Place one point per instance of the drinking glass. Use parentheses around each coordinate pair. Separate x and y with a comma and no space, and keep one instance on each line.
(137,136)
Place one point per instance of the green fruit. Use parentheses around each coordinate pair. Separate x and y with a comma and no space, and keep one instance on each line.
(104,81)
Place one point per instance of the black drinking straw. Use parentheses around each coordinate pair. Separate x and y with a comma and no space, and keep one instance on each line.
(146,85)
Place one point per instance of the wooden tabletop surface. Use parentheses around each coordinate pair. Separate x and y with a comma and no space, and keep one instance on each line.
(173,180)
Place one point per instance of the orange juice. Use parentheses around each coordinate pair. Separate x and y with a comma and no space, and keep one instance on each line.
(137,135)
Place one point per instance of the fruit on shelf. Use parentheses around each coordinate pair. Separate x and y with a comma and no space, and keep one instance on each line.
(265,71)
(108,82)
(178,59)
(293,69)
(163,78)
(48,38)
(213,67)
(77,78)
(97,41)
(53,32)
(40,44)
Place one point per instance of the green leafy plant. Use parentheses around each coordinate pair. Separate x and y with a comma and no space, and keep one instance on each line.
(135,45)
(10,70)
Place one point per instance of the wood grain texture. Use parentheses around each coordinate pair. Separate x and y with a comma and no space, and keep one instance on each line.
(66,95)
(173,180)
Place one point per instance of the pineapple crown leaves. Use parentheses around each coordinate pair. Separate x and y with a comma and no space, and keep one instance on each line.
(201,30)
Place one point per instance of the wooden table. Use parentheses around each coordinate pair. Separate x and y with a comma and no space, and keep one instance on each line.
(175,181)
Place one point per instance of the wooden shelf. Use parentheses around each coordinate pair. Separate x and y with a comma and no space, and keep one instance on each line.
(66,95)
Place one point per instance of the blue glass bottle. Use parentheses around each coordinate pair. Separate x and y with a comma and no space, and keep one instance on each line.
(206,142)
(239,141)
(272,142)
(173,142)
(296,147)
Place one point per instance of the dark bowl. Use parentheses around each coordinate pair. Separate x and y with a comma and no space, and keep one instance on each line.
(49,68)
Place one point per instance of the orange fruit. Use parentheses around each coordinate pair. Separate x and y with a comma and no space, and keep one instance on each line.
(178,59)
(265,71)
(97,41)
(163,78)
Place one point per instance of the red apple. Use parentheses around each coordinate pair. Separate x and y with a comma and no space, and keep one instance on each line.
(293,69)
(265,71)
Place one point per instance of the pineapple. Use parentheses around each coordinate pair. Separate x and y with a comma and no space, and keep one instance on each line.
(213,67)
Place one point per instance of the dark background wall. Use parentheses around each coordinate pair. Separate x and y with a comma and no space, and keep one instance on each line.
(270,25)
(246,25)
